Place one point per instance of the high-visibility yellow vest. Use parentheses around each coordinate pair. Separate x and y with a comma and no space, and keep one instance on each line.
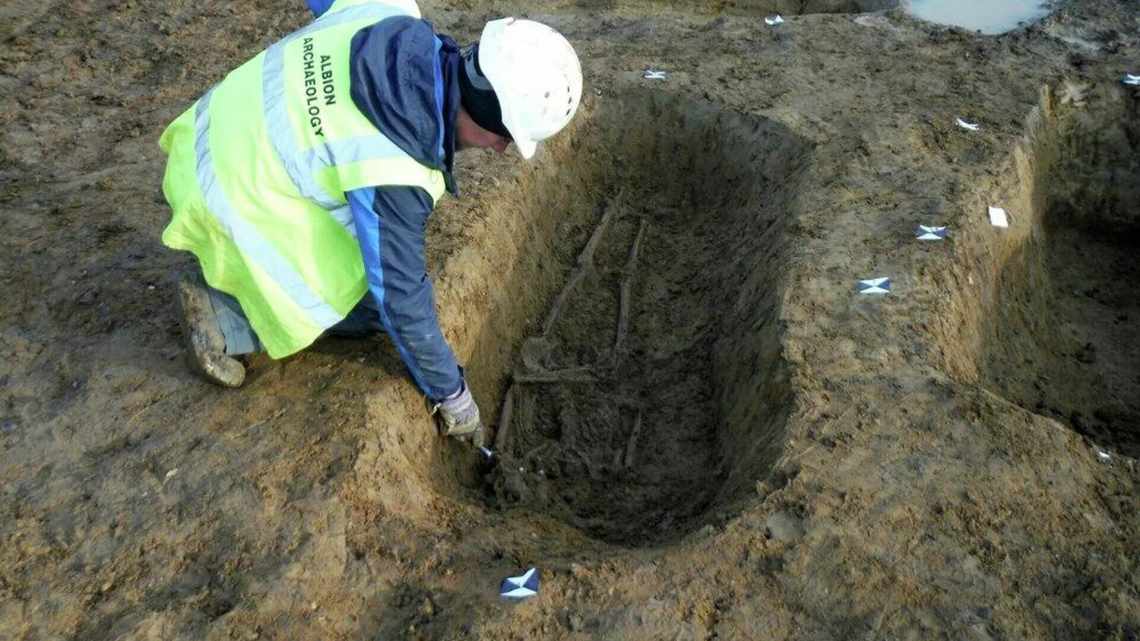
(257,172)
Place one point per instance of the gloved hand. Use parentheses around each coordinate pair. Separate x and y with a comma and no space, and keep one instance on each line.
(459,417)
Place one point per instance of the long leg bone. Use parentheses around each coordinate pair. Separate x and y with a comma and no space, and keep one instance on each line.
(505,420)
(556,308)
(626,292)
(629,447)
(584,266)
(586,258)
(527,409)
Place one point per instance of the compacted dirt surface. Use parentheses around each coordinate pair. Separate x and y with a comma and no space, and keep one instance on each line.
(704,431)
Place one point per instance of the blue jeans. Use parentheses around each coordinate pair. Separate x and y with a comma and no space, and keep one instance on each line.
(361,322)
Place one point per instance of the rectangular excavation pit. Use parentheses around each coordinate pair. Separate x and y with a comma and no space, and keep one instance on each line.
(1054,323)
(634,439)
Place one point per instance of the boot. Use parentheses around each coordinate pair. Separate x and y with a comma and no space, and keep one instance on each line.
(205,344)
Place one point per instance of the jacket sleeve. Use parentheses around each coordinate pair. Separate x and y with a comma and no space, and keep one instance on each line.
(390,226)
(318,7)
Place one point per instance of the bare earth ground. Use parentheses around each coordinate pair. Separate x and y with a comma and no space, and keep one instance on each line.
(768,455)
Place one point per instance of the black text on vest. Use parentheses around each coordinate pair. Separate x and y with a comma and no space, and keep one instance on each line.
(314,92)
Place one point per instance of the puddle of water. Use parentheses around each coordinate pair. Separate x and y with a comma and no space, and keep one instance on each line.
(991,17)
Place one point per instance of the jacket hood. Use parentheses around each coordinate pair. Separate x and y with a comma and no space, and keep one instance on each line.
(405,80)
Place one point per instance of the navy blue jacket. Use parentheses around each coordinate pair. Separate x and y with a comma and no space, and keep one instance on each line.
(404,79)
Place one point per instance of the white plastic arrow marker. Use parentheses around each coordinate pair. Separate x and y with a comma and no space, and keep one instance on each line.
(653,74)
(968,125)
(772,21)
(998,217)
(1130,79)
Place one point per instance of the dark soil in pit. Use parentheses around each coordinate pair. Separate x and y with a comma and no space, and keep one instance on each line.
(655,367)
(1066,340)
(634,455)
(1097,285)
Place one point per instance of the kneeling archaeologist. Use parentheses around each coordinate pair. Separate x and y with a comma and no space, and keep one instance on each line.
(303,182)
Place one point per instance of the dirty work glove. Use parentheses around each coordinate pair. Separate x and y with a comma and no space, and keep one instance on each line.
(459,417)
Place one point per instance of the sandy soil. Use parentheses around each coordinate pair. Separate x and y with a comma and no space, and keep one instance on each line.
(766,454)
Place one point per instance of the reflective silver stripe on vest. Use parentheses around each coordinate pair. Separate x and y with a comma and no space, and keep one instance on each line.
(342,152)
(303,167)
(248,240)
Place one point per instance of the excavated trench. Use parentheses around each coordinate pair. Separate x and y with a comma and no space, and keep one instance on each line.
(632,340)
(1058,324)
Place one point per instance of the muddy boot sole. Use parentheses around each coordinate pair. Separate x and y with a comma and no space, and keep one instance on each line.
(205,344)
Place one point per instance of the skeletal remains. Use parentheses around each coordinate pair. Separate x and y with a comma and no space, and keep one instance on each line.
(535,350)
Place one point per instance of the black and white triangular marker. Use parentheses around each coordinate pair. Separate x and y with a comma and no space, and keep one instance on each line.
(875,286)
(520,587)
(773,21)
(931,233)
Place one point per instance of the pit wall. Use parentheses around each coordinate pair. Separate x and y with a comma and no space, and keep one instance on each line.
(1000,324)
(495,288)
(972,279)
(757,166)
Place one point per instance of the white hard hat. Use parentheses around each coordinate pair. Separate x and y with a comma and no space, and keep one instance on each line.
(536,76)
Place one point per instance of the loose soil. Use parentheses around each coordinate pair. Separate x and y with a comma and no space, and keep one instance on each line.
(764,454)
